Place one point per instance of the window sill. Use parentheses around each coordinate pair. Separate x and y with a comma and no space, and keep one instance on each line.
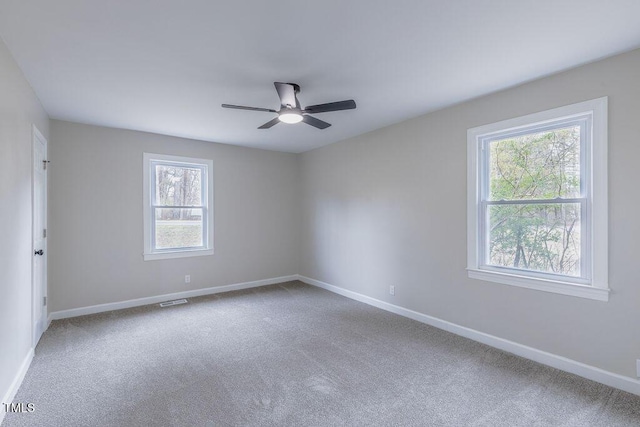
(564,288)
(177,254)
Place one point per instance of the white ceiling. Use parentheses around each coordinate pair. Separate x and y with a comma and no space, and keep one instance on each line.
(165,66)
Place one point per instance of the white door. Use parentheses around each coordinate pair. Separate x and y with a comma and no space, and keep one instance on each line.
(39,274)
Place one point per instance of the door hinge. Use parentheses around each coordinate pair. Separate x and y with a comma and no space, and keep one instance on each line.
(44,300)
(44,233)
(44,164)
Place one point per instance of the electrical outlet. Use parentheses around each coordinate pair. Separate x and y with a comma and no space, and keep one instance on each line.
(187,279)
(392,290)
(638,368)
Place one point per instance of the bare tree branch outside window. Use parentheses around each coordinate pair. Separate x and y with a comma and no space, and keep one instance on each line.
(536,236)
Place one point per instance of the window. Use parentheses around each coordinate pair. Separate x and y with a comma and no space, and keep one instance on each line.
(537,201)
(178,206)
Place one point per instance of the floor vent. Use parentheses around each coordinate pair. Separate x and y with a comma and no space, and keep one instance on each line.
(174,302)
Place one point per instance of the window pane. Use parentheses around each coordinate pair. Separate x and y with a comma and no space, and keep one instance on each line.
(178,228)
(178,186)
(540,237)
(542,165)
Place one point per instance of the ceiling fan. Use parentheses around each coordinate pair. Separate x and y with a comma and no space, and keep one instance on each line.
(290,110)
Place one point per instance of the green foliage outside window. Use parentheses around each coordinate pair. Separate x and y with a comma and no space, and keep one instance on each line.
(536,236)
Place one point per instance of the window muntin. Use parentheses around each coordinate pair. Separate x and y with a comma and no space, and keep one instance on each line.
(178,211)
(555,194)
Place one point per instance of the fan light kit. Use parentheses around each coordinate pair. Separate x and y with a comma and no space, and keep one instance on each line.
(290,117)
(290,111)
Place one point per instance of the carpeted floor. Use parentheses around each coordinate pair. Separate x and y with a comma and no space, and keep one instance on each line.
(293,355)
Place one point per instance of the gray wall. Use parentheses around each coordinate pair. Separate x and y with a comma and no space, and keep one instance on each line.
(95,222)
(19,110)
(389,208)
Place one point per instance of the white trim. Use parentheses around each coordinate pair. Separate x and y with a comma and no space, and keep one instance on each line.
(37,326)
(16,383)
(554,286)
(148,254)
(599,194)
(566,111)
(177,254)
(100,308)
(611,379)
(596,265)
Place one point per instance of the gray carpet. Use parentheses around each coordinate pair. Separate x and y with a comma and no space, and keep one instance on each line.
(293,355)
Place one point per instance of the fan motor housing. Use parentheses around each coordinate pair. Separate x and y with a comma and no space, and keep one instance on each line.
(296,87)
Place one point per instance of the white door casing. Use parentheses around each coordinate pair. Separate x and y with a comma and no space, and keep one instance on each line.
(39,249)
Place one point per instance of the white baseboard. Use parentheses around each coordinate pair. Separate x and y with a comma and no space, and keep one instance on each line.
(74,312)
(611,379)
(17,381)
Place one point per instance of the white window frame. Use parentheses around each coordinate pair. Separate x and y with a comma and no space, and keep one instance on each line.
(148,182)
(594,205)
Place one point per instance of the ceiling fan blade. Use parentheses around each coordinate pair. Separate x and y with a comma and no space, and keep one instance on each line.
(287,94)
(315,122)
(330,106)
(270,123)
(240,107)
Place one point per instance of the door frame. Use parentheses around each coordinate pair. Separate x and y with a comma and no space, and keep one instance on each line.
(38,326)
